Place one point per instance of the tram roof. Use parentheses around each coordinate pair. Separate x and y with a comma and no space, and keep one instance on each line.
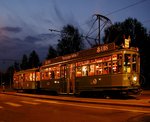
(27,70)
(101,49)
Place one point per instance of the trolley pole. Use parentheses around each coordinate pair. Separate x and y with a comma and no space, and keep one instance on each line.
(99,32)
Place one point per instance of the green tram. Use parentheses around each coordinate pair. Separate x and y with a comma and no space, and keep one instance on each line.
(103,69)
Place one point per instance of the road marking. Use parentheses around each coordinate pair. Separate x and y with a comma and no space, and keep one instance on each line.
(111,108)
(32,103)
(13,104)
(95,107)
(47,101)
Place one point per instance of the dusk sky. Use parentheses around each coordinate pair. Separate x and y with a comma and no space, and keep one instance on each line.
(25,24)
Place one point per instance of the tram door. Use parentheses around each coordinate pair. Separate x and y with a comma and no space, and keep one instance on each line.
(63,86)
(68,79)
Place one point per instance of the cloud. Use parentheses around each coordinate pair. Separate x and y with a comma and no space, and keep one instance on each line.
(12,29)
(64,17)
(31,39)
(14,47)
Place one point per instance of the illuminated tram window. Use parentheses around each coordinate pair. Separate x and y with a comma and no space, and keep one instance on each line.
(78,71)
(37,76)
(63,72)
(134,57)
(91,70)
(117,63)
(57,72)
(127,63)
(98,69)
(30,77)
(85,71)
(33,77)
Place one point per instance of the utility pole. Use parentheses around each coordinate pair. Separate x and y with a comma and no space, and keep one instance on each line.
(99,32)
(104,20)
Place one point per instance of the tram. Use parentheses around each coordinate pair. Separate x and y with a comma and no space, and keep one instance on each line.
(106,69)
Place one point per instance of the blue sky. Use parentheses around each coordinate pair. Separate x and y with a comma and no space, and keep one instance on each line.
(24,24)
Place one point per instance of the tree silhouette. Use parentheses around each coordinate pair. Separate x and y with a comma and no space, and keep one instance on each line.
(70,42)
(52,53)
(24,64)
(34,61)
(139,38)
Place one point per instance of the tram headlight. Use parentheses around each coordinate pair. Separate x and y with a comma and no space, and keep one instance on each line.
(134,78)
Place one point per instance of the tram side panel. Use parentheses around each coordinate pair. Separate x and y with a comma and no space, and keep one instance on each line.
(117,83)
(50,85)
(94,83)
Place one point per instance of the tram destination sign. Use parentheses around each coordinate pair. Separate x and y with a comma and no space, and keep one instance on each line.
(105,47)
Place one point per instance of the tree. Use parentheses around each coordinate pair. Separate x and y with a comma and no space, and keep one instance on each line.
(24,64)
(9,76)
(70,42)
(16,66)
(114,33)
(130,27)
(52,53)
(34,61)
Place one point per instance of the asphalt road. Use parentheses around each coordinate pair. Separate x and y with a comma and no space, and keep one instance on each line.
(25,109)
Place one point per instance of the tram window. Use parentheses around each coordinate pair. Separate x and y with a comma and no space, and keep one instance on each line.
(119,63)
(91,70)
(52,74)
(105,68)
(127,64)
(33,76)
(37,76)
(57,76)
(134,69)
(56,72)
(27,77)
(85,71)
(98,70)
(42,75)
(45,75)
(63,72)
(114,68)
(78,71)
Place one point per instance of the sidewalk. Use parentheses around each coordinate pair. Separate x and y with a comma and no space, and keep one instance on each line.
(118,102)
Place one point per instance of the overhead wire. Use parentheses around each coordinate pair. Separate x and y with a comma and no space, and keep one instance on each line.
(126,7)
(118,10)
(121,9)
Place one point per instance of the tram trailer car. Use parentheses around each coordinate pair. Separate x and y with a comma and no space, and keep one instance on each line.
(26,80)
(104,69)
